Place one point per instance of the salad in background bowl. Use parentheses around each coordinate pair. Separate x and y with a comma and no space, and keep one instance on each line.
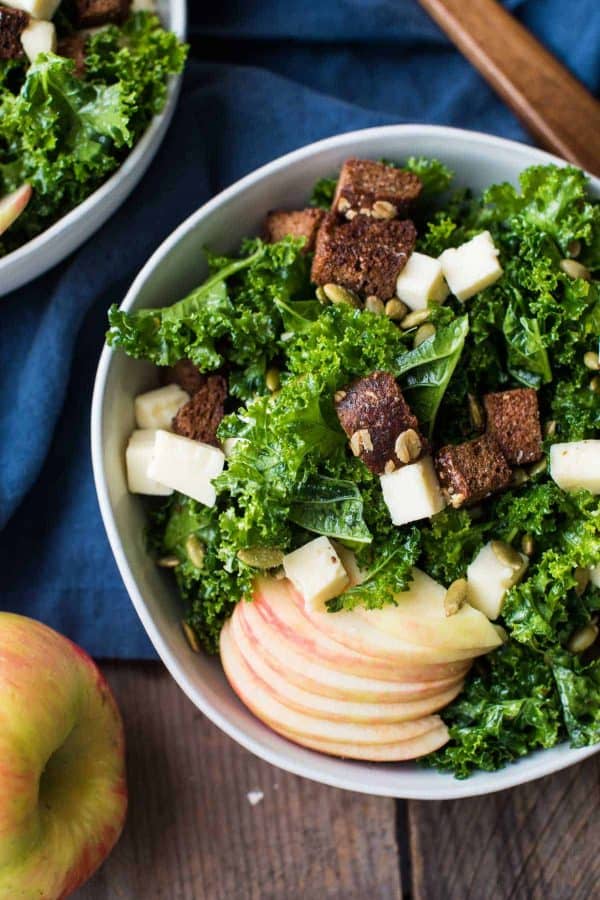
(354,432)
(87,88)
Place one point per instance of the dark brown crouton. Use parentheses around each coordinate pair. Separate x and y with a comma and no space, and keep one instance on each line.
(187,375)
(201,416)
(374,189)
(383,431)
(73,47)
(91,13)
(513,418)
(365,255)
(297,223)
(13,23)
(469,472)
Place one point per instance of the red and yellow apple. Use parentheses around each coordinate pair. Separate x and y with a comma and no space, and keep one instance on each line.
(13,205)
(63,795)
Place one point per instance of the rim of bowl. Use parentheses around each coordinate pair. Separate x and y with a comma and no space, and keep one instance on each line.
(130,163)
(449,787)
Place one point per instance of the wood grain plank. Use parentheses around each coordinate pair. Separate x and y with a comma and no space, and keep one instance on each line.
(535,842)
(192,833)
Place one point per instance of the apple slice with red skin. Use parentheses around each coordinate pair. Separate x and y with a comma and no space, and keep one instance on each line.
(309,672)
(254,693)
(333,708)
(63,795)
(404,750)
(13,205)
(318,639)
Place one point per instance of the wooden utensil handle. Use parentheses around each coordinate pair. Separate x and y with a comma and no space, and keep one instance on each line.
(556,108)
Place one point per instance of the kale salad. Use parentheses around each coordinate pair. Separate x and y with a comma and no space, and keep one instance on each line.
(299,360)
(80,81)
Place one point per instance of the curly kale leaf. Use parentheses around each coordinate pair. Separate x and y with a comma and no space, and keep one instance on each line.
(449,543)
(578,686)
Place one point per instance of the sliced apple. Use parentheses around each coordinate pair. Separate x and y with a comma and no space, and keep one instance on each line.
(318,638)
(13,205)
(254,694)
(419,617)
(308,670)
(404,750)
(333,708)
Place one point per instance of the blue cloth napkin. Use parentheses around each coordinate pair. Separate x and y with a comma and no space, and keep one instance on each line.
(263,79)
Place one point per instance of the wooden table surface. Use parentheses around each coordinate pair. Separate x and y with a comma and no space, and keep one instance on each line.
(193,834)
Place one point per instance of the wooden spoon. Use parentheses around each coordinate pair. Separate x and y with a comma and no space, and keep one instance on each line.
(556,108)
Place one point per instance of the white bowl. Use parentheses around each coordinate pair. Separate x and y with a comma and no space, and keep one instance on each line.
(175,268)
(55,243)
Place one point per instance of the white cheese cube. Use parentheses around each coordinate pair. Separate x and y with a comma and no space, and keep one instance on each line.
(471,267)
(317,573)
(39,9)
(38,37)
(186,466)
(488,580)
(138,457)
(420,281)
(143,6)
(156,409)
(576,465)
(595,575)
(412,492)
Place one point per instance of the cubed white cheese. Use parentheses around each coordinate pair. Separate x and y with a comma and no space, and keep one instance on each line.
(156,409)
(595,575)
(38,37)
(576,465)
(471,267)
(488,580)
(39,9)
(420,281)
(412,492)
(317,573)
(138,457)
(186,466)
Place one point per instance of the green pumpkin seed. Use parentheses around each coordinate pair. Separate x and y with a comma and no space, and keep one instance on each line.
(261,557)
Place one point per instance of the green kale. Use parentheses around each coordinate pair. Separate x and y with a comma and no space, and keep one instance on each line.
(449,543)
(578,686)
(331,506)
(323,192)
(65,135)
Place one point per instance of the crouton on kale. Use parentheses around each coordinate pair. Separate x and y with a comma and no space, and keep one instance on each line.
(91,13)
(297,223)
(383,431)
(201,416)
(364,255)
(13,23)
(513,419)
(73,47)
(471,471)
(187,375)
(375,189)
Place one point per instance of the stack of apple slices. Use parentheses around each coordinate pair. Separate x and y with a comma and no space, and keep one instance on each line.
(362,684)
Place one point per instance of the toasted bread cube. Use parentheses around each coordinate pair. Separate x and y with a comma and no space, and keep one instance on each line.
(365,255)
(420,281)
(186,466)
(187,375)
(200,417)
(489,578)
(138,457)
(13,23)
(375,189)
(513,419)
(91,13)
(296,223)
(374,413)
(471,267)
(317,573)
(412,492)
(575,465)
(471,471)
(157,408)
(72,46)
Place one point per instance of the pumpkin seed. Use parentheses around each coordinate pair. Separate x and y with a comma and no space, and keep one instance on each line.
(195,551)
(423,333)
(583,638)
(457,500)
(408,446)
(595,385)
(414,318)
(375,305)
(360,441)
(475,412)
(537,468)
(389,467)
(338,294)
(591,360)
(396,310)
(456,596)
(574,248)
(383,209)
(191,636)
(527,544)
(507,555)
(321,295)
(550,428)
(575,269)
(519,477)
(261,557)
(273,379)
(168,562)
(582,579)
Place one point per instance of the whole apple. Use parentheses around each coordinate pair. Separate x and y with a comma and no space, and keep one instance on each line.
(63,793)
